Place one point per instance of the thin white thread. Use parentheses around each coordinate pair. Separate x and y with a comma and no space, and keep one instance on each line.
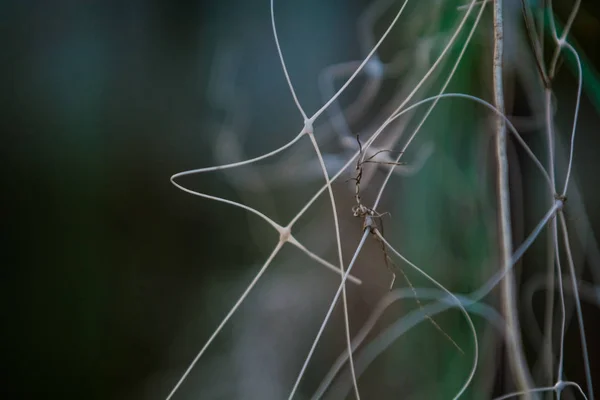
(227,317)
(285,71)
(340,256)
(575,117)
(584,350)
(327,316)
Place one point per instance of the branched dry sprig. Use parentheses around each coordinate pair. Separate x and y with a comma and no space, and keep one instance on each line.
(361,211)
(369,212)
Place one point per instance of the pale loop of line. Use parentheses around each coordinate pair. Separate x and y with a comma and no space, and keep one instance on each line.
(576,115)
(327,316)
(308,128)
(481,309)
(458,303)
(280,243)
(285,71)
(584,348)
(556,388)
(321,190)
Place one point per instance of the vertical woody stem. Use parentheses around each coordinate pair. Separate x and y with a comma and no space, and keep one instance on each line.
(516,358)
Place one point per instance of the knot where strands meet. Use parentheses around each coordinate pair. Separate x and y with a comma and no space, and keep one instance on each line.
(308,126)
(559,386)
(369,224)
(560,198)
(285,233)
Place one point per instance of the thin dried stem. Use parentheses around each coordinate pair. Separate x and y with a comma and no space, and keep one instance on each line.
(516,356)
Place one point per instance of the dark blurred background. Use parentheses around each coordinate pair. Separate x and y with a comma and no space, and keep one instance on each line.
(102,102)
